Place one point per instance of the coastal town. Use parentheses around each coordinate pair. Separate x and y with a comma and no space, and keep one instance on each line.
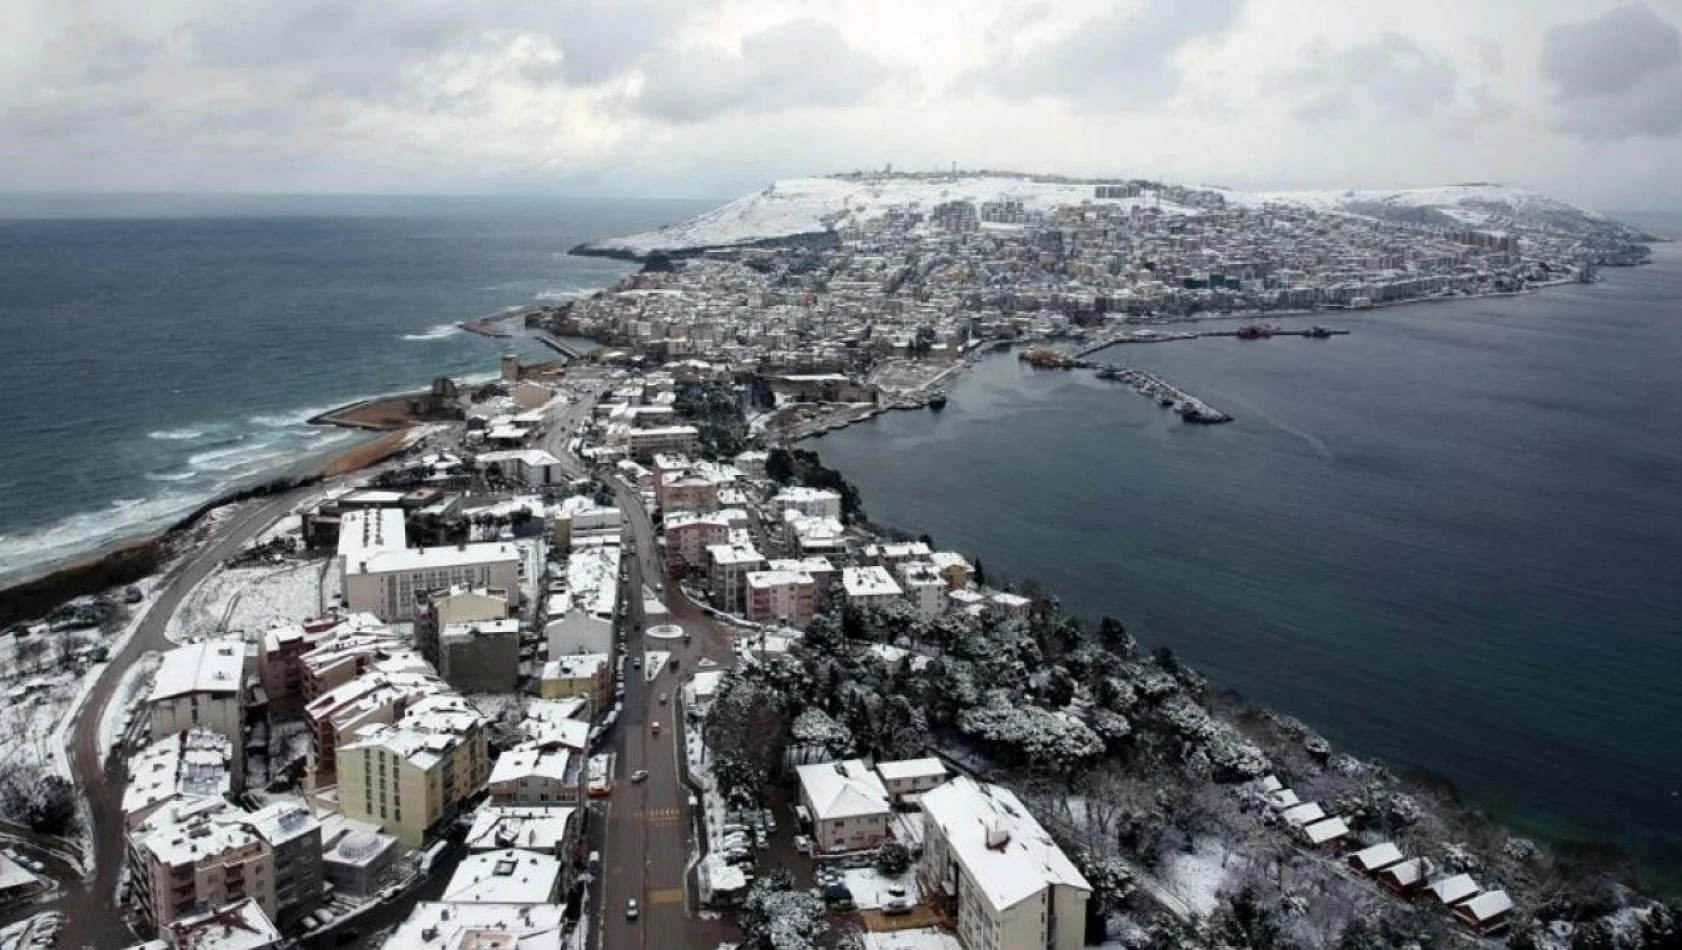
(598,655)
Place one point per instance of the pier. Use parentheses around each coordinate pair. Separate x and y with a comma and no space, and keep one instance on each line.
(1166,394)
(559,345)
(1248,332)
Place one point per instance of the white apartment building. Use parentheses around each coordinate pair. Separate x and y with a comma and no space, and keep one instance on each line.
(869,587)
(202,684)
(729,566)
(925,587)
(784,597)
(908,779)
(1003,880)
(383,576)
(811,502)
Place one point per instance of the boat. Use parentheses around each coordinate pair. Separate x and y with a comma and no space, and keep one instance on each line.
(937,401)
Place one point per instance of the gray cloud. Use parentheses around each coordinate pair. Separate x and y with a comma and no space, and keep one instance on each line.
(1393,73)
(1120,61)
(795,64)
(1616,76)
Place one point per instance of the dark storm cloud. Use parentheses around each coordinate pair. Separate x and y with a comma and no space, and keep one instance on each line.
(1616,76)
(1392,74)
(797,64)
(1121,60)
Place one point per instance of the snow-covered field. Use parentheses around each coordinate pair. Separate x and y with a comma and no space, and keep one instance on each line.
(927,938)
(32,933)
(1197,879)
(249,600)
(872,889)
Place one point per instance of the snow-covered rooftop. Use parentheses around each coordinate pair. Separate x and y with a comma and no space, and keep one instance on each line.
(480,926)
(498,827)
(445,556)
(239,926)
(193,762)
(209,666)
(508,876)
(902,769)
(869,582)
(1002,847)
(365,531)
(843,790)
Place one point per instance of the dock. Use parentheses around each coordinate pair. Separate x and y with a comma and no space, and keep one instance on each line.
(1169,396)
(1252,332)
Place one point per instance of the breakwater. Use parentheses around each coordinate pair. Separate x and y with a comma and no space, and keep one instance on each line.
(1166,394)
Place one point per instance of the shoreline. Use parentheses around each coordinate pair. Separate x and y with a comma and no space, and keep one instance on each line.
(120,562)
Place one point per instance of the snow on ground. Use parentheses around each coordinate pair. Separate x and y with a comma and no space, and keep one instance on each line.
(807,205)
(249,600)
(39,931)
(927,938)
(1198,878)
(125,700)
(653,661)
(290,525)
(872,889)
(907,828)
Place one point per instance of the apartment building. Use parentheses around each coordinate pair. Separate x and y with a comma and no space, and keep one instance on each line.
(293,837)
(585,675)
(998,873)
(191,765)
(374,698)
(821,571)
(688,536)
(538,777)
(925,588)
(728,568)
(811,502)
(192,855)
(907,779)
(482,656)
(410,776)
(644,444)
(953,567)
(202,684)
(782,597)
(390,584)
(869,587)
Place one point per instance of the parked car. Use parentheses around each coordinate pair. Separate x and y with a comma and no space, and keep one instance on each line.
(654,727)
(770,821)
(898,905)
(803,844)
(662,699)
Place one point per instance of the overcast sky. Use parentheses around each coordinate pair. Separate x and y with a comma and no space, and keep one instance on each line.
(711,98)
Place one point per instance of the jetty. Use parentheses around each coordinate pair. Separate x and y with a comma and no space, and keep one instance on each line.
(559,345)
(488,325)
(1169,396)
(1247,332)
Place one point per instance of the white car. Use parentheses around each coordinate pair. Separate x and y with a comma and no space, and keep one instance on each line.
(639,775)
(631,909)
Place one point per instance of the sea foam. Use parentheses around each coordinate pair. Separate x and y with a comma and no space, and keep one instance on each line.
(438,332)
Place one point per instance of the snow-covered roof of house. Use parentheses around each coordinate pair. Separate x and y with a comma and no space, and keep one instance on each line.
(843,790)
(898,551)
(550,723)
(948,559)
(922,938)
(187,832)
(911,768)
(868,582)
(364,531)
(1453,890)
(193,762)
(508,626)
(508,876)
(802,495)
(803,565)
(241,925)
(770,579)
(1409,872)
(1010,600)
(1321,832)
(533,457)
(359,846)
(452,926)
(209,666)
(1271,783)
(1376,858)
(992,834)
(430,727)
(1486,906)
(734,554)
(528,829)
(574,666)
(1304,813)
(1283,799)
(283,821)
(530,762)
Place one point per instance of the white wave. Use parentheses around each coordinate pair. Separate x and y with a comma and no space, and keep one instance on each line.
(235,457)
(183,434)
(180,476)
(84,531)
(438,332)
(570,293)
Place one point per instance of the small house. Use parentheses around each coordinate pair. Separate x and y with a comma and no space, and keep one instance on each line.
(1405,879)
(1370,861)
(1326,834)
(1453,890)
(1485,913)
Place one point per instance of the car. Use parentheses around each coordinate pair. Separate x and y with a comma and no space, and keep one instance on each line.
(803,844)
(770,821)
(637,663)
(662,699)
(639,775)
(631,909)
(654,727)
(898,905)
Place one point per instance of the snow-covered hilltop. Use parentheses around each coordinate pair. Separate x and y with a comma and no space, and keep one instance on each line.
(815,206)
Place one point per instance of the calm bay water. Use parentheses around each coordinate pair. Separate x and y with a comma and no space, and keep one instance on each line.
(160,349)
(1452,539)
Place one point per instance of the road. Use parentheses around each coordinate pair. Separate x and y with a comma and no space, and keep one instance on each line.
(650,828)
(88,904)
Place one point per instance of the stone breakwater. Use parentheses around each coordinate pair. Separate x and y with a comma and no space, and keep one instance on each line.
(1166,394)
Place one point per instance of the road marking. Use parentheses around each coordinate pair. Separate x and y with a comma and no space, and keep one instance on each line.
(671,895)
(660,816)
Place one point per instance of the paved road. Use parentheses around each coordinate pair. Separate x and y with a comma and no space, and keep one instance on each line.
(650,828)
(89,905)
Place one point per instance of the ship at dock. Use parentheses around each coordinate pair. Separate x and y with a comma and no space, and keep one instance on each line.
(1257,331)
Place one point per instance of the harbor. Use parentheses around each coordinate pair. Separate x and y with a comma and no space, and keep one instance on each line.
(1250,331)
(1169,396)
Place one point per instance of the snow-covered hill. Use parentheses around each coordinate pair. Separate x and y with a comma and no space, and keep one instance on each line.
(799,206)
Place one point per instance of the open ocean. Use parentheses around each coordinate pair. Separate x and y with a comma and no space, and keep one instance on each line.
(1451,540)
(159,350)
